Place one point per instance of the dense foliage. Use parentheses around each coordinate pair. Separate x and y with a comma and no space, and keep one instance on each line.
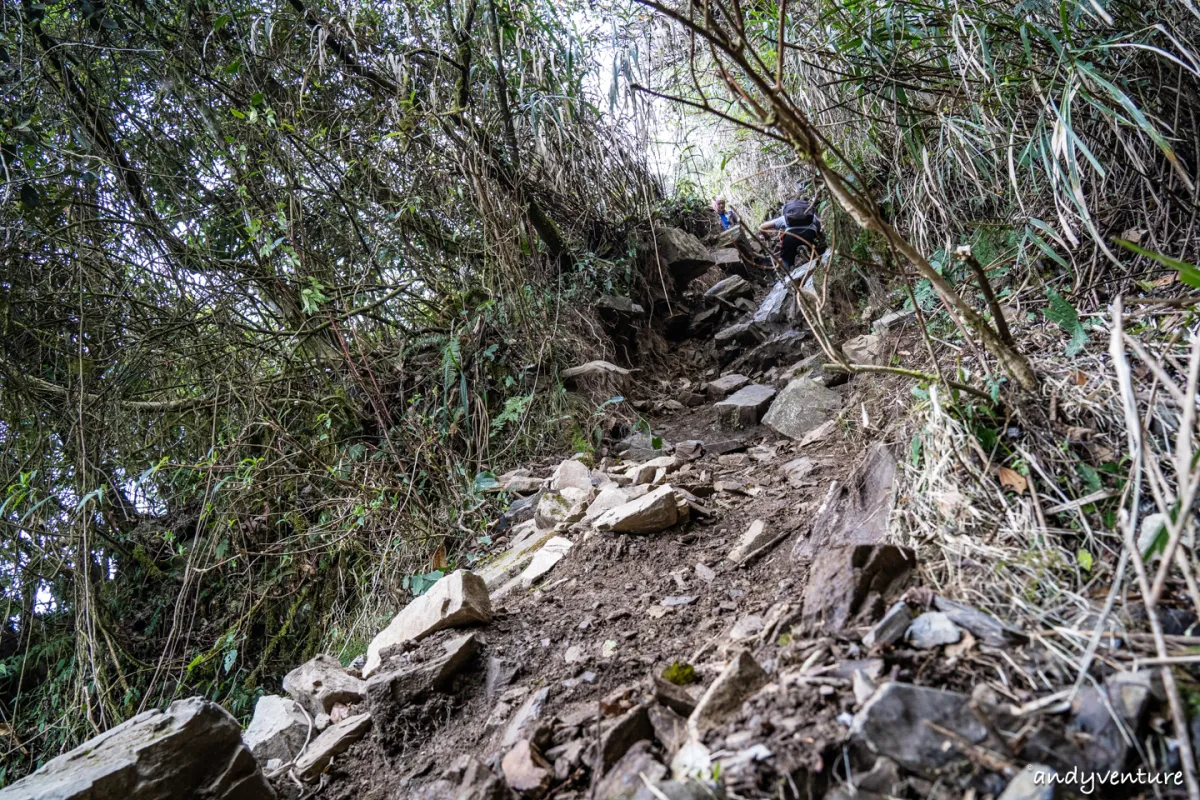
(279,281)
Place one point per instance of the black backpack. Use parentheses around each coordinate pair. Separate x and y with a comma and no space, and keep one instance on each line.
(802,236)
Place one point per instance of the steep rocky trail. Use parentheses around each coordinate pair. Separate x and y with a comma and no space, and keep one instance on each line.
(708,605)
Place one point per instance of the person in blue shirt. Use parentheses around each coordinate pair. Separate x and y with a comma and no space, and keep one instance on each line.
(727,217)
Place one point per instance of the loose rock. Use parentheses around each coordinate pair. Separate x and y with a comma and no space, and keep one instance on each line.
(573,474)
(801,406)
(891,628)
(745,407)
(654,512)
(740,679)
(893,723)
(525,770)
(755,537)
(335,740)
(321,683)
(456,600)
(1031,783)
(725,385)
(278,729)
(865,349)
(853,585)
(624,780)
(932,629)
(191,751)
(682,254)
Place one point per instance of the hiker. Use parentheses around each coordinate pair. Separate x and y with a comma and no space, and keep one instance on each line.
(799,232)
(727,218)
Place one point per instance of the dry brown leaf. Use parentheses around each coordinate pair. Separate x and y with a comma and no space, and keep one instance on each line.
(1012,479)
(438,558)
(1079,377)
(962,646)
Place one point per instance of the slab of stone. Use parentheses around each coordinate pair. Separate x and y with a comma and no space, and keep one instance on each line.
(320,684)
(504,567)
(573,474)
(690,450)
(755,537)
(619,305)
(640,447)
(669,728)
(526,721)
(741,678)
(891,628)
(523,485)
(683,254)
(525,770)
(865,349)
(892,320)
(457,600)
(705,322)
(656,511)
(647,471)
(893,723)
(745,407)
(722,387)
(677,698)
(797,470)
(414,676)
(608,498)
(619,735)
(730,288)
(802,405)
(624,780)
(565,506)
(780,348)
(859,510)
(743,333)
(726,256)
(983,626)
(191,751)
(932,629)
(544,560)
(333,741)
(853,585)
(278,729)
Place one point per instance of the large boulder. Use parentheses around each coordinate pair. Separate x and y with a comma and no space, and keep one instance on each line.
(193,749)
(801,406)
(456,600)
(684,256)
(414,677)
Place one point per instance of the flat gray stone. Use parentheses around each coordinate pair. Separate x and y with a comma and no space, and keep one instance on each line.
(801,406)
(730,288)
(745,407)
(932,629)
(865,349)
(722,387)
(651,513)
(277,730)
(1031,783)
(684,256)
(741,678)
(739,333)
(893,724)
(755,537)
(891,628)
(457,600)
(191,751)
(333,741)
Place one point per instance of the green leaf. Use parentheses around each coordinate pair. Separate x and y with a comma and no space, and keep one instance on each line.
(230,659)
(1091,478)
(1064,315)
(1085,560)
(484,481)
(1188,273)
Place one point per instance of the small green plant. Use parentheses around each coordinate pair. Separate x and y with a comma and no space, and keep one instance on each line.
(680,674)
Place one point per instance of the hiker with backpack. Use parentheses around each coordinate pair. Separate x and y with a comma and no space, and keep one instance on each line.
(799,229)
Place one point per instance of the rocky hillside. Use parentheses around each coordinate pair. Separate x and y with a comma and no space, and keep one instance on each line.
(713,604)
